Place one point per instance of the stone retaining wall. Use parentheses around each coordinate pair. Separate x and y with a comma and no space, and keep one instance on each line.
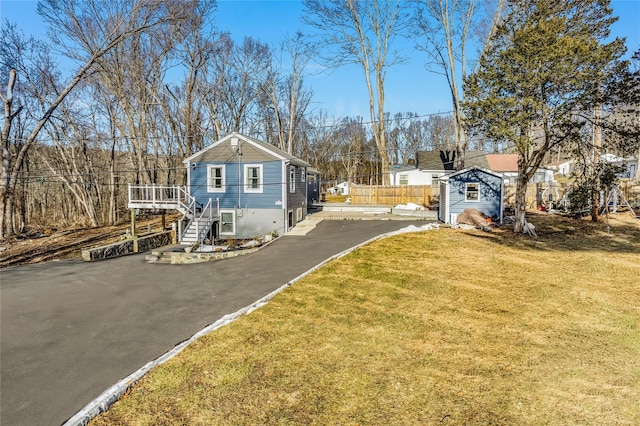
(131,246)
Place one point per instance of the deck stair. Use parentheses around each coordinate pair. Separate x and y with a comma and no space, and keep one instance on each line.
(199,226)
(166,197)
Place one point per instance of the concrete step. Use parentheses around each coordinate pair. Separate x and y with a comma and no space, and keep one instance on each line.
(304,227)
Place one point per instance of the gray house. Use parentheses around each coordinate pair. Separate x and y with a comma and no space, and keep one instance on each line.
(471,188)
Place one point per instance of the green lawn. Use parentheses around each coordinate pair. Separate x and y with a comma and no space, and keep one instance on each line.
(440,327)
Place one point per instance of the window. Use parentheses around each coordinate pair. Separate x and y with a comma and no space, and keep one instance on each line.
(253,178)
(303,175)
(292,179)
(227,222)
(404,179)
(299,216)
(472,192)
(435,179)
(215,178)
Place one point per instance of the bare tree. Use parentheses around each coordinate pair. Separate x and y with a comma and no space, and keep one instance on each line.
(283,94)
(197,44)
(85,31)
(446,27)
(351,139)
(239,72)
(362,33)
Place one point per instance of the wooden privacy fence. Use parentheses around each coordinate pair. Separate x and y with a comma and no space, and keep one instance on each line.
(423,195)
(428,196)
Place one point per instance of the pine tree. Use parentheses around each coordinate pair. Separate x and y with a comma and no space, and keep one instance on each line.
(541,80)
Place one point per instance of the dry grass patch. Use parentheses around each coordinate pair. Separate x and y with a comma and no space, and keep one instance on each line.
(428,328)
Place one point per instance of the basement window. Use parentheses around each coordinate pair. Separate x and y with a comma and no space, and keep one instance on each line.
(227,222)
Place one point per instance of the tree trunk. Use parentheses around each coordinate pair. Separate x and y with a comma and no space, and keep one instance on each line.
(595,194)
(521,204)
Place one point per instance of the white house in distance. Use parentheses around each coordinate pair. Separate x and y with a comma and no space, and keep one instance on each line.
(408,175)
(432,165)
(507,165)
(565,168)
(630,164)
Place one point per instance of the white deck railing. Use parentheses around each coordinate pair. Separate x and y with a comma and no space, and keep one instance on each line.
(161,197)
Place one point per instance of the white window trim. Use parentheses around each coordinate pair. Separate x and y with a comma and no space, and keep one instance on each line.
(299,216)
(210,167)
(466,189)
(233,215)
(260,177)
(292,179)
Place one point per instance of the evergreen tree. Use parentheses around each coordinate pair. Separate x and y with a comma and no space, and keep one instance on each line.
(539,83)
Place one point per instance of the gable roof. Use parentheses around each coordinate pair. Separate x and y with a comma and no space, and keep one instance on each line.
(445,161)
(255,143)
(503,162)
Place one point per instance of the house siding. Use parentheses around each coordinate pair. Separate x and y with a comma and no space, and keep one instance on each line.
(298,198)
(257,222)
(224,153)
(269,198)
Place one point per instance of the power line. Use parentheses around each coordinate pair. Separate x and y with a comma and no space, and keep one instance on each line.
(124,138)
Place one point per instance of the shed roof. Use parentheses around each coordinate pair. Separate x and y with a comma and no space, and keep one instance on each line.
(441,160)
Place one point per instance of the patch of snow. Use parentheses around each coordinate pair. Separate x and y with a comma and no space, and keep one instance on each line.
(409,206)
(209,248)
(413,228)
(250,244)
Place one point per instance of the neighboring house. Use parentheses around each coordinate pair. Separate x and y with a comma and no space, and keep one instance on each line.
(431,166)
(408,175)
(471,188)
(238,187)
(340,189)
(437,163)
(630,164)
(507,165)
(562,168)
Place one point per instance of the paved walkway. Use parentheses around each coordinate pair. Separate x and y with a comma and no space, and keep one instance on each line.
(69,330)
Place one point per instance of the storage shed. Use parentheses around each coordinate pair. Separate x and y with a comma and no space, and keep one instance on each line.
(471,188)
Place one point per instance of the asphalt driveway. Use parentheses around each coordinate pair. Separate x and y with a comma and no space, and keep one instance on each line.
(69,330)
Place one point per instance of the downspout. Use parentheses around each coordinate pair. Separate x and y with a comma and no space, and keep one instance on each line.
(285,199)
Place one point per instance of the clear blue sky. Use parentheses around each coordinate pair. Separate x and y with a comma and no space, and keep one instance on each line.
(409,88)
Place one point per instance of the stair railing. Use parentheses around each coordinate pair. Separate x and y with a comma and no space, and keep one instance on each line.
(207,210)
